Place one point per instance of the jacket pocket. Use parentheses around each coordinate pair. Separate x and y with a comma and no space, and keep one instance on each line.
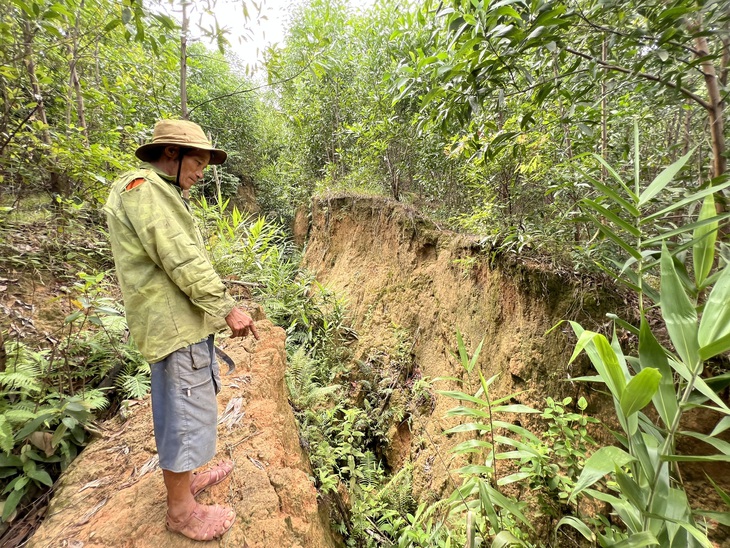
(200,355)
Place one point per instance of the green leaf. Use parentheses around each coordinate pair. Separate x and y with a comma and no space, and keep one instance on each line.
(634,197)
(513,408)
(40,476)
(579,526)
(613,374)
(714,332)
(630,489)
(663,179)
(611,216)
(623,244)
(720,445)
(696,458)
(111,25)
(637,540)
(679,313)
(699,384)
(696,197)
(505,539)
(723,495)
(720,517)
(640,391)
(32,426)
(703,254)
(10,461)
(702,223)
(721,426)
(600,463)
(11,503)
(651,354)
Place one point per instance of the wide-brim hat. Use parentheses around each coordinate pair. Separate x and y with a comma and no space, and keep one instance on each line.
(182,133)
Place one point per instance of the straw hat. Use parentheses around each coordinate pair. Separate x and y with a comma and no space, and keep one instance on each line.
(181,133)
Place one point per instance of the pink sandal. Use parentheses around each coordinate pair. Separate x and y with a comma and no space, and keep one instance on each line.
(212,476)
(204,522)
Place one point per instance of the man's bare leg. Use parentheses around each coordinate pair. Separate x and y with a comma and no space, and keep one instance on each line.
(180,501)
(187,517)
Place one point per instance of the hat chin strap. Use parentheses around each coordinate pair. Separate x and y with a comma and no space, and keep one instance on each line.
(181,154)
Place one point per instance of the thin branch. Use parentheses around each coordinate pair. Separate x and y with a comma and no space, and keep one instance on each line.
(17,129)
(240,91)
(645,75)
(645,39)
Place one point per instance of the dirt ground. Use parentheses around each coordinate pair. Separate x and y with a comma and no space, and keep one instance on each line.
(113,494)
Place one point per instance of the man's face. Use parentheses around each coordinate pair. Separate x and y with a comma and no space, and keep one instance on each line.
(193,164)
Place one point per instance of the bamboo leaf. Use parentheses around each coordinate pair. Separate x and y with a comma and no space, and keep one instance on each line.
(696,458)
(628,248)
(721,426)
(611,216)
(679,313)
(703,254)
(613,195)
(720,491)
(505,539)
(699,224)
(514,408)
(616,176)
(663,179)
(616,379)
(640,390)
(719,517)
(720,445)
(651,354)
(699,384)
(462,396)
(637,540)
(714,332)
(578,525)
(630,489)
(696,197)
(600,463)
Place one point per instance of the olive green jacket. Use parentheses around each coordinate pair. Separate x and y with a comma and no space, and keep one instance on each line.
(172,295)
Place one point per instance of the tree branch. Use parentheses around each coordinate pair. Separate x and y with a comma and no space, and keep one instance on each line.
(240,91)
(17,129)
(646,76)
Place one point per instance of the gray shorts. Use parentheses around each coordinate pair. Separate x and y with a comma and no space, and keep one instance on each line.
(184,407)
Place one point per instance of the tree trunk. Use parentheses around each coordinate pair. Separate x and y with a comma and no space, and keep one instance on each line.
(184,61)
(715,112)
(28,37)
(57,185)
(719,162)
(74,77)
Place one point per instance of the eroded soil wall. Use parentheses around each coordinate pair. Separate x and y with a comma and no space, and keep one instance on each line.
(399,271)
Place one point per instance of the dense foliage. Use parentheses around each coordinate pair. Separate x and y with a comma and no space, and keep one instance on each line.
(519,120)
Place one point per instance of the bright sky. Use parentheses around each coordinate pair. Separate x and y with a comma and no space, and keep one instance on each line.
(261,31)
(250,38)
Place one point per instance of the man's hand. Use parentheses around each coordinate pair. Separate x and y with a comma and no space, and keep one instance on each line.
(240,323)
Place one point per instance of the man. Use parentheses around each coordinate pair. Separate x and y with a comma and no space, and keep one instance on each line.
(175,302)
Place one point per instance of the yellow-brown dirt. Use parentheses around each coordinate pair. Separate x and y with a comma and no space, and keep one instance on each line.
(104,500)
(400,271)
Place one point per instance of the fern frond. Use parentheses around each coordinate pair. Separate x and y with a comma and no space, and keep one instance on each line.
(135,386)
(95,399)
(17,415)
